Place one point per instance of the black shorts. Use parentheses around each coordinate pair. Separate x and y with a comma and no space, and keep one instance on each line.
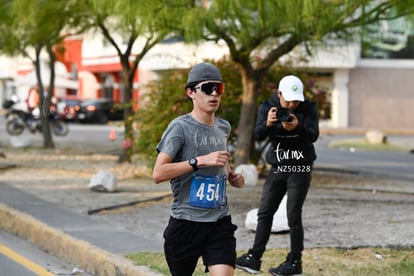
(186,241)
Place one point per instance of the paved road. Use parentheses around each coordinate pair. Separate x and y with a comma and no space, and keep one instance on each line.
(21,258)
(394,164)
(85,135)
(391,164)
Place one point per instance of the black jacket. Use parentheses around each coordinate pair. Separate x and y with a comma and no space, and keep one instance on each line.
(289,147)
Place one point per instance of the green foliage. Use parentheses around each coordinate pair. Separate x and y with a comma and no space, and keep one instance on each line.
(257,33)
(262,33)
(32,27)
(165,99)
(133,20)
(27,24)
(35,19)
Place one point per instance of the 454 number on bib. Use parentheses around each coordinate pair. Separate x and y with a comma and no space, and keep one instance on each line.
(208,191)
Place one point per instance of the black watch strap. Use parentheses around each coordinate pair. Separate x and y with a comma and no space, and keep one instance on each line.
(193,163)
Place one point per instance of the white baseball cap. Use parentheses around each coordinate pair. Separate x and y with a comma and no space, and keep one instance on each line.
(291,88)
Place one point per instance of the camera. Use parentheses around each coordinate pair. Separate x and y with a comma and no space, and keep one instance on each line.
(283,114)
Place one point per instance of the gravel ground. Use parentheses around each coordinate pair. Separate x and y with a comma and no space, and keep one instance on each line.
(341,210)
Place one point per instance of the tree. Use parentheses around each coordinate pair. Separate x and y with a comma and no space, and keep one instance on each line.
(28,30)
(259,33)
(141,24)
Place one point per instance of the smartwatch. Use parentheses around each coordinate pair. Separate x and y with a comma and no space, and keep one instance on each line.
(193,163)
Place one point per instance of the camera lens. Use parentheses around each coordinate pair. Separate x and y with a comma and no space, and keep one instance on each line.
(283,114)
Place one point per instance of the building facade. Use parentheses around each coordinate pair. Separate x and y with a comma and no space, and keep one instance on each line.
(365,92)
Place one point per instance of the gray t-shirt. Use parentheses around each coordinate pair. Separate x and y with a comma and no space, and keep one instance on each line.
(185,138)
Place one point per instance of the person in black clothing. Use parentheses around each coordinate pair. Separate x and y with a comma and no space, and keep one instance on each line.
(292,125)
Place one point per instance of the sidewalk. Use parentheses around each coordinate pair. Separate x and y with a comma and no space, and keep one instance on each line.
(59,227)
(95,247)
(53,216)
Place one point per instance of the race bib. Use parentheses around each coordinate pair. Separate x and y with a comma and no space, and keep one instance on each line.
(208,191)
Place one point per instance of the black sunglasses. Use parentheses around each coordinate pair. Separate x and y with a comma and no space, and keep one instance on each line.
(209,87)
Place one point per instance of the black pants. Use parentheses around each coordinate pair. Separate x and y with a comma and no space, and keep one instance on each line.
(277,184)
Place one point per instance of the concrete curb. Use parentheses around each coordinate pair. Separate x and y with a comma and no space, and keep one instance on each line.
(82,254)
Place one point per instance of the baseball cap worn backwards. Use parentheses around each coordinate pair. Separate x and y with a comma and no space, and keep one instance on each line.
(202,72)
(291,88)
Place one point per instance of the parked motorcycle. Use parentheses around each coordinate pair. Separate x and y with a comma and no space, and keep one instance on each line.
(17,120)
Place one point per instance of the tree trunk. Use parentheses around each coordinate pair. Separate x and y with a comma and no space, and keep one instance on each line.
(44,102)
(247,120)
(45,110)
(128,74)
(128,121)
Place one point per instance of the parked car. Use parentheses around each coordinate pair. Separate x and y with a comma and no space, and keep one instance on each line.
(68,108)
(99,111)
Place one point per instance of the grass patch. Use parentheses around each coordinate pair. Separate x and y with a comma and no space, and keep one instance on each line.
(363,145)
(316,261)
